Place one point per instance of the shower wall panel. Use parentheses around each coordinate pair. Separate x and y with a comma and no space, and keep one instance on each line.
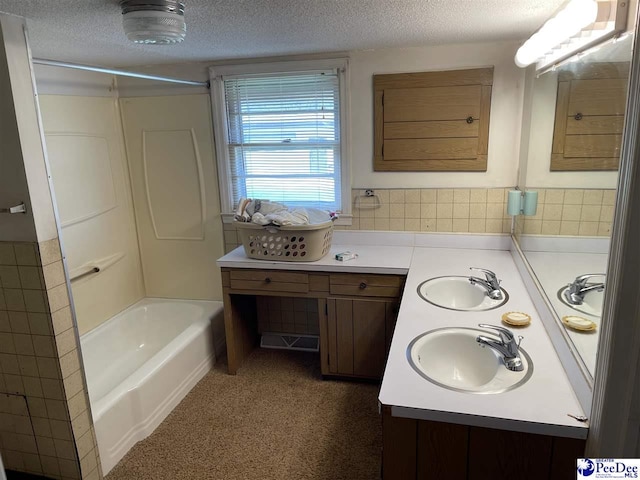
(169,143)
(91,182)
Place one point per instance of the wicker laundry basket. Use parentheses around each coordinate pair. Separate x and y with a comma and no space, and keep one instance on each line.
(291,243)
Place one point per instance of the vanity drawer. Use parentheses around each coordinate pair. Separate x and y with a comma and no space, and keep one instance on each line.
(366,285)
(269,280)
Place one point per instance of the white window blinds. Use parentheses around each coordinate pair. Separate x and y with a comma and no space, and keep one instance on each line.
(284,138)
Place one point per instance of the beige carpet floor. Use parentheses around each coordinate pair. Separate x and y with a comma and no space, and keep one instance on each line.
(276,419)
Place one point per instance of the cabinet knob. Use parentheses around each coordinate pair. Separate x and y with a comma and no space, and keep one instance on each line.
(469,119)
(578,116)
(267,280)
(363,286)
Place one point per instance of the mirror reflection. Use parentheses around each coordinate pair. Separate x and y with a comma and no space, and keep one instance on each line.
(574,128)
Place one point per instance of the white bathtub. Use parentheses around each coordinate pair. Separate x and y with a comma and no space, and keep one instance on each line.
(141,363)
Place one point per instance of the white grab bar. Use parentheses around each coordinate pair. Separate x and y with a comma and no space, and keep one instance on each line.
(96,266)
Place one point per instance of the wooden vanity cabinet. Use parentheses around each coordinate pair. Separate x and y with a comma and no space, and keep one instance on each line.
(428,450)
(356,315)
(357,326)
(358,332)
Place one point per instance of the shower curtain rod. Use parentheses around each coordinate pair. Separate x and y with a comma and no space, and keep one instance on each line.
(124,73)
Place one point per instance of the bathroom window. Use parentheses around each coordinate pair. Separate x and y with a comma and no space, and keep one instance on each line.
(280,133)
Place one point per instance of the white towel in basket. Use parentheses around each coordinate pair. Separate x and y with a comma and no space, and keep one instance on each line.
(265,212)
(296,216)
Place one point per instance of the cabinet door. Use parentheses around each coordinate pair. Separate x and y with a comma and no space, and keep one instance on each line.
(432,121)
(358,333)
(590,107)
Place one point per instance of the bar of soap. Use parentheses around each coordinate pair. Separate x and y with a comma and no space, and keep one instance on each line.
(518,319)
(578,323)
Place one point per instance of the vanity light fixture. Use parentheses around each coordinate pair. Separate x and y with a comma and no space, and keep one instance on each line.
(155,22)
(578,26)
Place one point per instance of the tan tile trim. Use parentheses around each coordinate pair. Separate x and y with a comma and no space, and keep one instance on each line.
(42,369)
(581,212)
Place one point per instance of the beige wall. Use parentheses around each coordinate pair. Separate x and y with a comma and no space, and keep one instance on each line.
(169,143)
(13,180)
(93,196)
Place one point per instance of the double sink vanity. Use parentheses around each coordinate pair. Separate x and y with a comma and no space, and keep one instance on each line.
(463,395)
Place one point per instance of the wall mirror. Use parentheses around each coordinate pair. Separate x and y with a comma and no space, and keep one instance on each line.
(571,140)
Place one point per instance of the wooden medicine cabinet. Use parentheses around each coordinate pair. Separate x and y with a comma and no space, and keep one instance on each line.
(590,107)
(432,121)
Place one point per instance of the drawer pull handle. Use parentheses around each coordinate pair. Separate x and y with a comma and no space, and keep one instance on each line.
(267,280)
(363,286)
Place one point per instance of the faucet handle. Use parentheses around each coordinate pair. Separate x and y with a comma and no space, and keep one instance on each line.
(505,334)
(582,279)
(491,276)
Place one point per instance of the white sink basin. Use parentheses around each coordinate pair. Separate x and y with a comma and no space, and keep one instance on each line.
(453,359)
(457,293)
(591,305)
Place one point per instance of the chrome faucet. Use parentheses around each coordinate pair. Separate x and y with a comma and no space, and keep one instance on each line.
(579,288)
(490,283)
(506,346)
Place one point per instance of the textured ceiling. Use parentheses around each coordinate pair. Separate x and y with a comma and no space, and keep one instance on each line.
(90,31)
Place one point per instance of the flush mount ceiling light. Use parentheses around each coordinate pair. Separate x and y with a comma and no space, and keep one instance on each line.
(159,22)
(579,25)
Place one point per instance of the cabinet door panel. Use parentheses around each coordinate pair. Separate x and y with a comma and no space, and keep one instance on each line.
(369,319)
(399,446)
(431,103)
(436,457)
(344,334)
(432,121)
(589,117)
(332,331)
(432,129)
(598,97)
(506,454)
(432,148)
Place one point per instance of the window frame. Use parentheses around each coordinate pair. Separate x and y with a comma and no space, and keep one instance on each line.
(218,105)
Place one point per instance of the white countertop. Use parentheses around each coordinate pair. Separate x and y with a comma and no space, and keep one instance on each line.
(371,259)
(539,406)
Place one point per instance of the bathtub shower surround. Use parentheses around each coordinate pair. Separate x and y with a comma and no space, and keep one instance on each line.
(45,420)
(141,363)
